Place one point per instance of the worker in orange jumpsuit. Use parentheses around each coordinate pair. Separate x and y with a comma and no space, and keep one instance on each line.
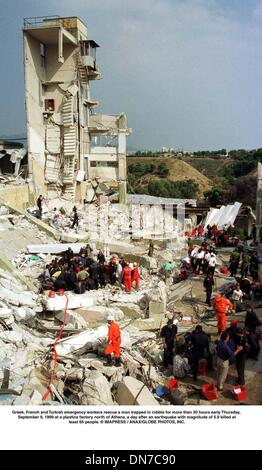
(127,278)
(135,275)
(222,306)
(114,341)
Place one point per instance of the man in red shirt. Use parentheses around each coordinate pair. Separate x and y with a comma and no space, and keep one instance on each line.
(222,306)
(114,341)
(127,278)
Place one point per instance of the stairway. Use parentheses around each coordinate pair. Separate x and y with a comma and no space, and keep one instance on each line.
(69,144)
(82,70)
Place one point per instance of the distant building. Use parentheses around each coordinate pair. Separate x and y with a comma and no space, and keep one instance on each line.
(9,144)
(167,150)
(68,144)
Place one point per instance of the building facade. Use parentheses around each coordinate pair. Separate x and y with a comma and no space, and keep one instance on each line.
(68,143)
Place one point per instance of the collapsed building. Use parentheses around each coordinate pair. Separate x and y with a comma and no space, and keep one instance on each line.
(54,343)
(68,143)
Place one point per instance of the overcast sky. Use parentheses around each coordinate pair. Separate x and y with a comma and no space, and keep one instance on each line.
(188,73)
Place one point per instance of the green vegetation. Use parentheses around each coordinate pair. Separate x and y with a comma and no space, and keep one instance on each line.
(215,196)
(210,153)
(173,189)
(230,172)
(141,169)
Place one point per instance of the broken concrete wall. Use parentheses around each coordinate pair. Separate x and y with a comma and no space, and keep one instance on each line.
(16,195)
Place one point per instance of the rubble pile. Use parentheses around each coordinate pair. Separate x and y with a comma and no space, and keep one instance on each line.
(38,368)
(30,322)
(29,326)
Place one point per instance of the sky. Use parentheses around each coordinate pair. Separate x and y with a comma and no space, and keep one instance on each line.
(188,73)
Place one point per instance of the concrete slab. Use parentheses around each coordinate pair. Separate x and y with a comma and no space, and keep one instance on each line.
(96,390)
(133,392)
(40,225)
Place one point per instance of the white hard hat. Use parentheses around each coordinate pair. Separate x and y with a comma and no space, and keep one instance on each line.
(110,318)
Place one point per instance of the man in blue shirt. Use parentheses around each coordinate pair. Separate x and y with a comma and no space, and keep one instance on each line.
(225,356)
(200,348)
(168,333)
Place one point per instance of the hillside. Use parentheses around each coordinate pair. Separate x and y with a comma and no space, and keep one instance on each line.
(178,170)
(210,167)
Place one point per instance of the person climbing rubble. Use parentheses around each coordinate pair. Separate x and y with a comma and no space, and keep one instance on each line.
(114,341)
(167,270)
(222,307)
(39,203)
(75,218)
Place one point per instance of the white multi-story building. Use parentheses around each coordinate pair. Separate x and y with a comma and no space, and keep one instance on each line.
(68,144)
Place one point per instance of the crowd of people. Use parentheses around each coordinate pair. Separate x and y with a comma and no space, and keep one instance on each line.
(234,346)
(235,343)
(87,271)
(218,237)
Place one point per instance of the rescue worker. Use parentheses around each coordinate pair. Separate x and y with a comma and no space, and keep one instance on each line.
(75,218)
(234,262)
(135,275)
(251,323)
(241,347)
(94,274)
(114,341)
(151,248)
(222,306)
(127,278)
(102,274)
(39,205)
(237,297)
(244,264)
(225,356)
(200,349)
(112,271)
(101,257)
(212,264)
(254,266)
(167,269)
(208,285)
(168,333)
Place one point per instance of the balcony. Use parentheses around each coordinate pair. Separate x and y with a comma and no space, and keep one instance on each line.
(72,24)
(88,59)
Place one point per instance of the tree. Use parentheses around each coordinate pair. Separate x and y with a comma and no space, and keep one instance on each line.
(244,190)
(215,196)
(162,169)
(173,189)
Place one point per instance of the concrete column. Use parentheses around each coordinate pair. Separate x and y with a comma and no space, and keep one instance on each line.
(259,198)
(122,142)
(60,47)
(122,192)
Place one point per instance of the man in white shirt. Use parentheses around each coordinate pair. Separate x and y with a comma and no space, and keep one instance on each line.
(212,264)
(199,259)
(193,258)
(237,296)
(180,366)
(207,257)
